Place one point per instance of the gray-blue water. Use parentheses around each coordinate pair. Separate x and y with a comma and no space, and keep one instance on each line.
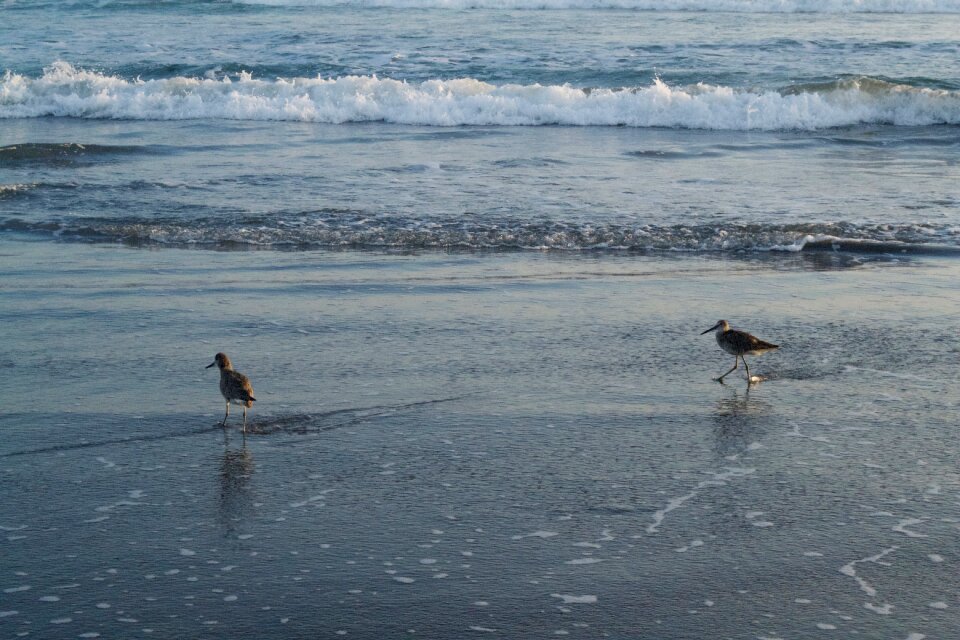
(436,126)
(516,445)
(488,235)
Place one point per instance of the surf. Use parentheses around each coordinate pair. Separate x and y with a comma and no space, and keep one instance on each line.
(67,91)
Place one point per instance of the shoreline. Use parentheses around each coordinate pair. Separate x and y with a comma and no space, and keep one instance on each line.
(505,445)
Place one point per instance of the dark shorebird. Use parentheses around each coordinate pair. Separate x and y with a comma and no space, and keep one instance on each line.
(234,386)
(738,344)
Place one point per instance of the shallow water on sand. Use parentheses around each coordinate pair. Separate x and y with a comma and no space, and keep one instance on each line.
(224,184)
(512,445)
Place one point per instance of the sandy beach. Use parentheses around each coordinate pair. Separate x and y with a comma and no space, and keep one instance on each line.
(446,445)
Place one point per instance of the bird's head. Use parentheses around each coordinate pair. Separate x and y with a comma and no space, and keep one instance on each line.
(222,361)
(722,325)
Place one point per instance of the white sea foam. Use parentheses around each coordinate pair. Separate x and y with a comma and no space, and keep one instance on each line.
(311,499)
(693,544)
(97,519)
(121,503)
(536,534)
(850,569)
(571,599)
(901,527)
(719,479)
(744,6)
(64,90)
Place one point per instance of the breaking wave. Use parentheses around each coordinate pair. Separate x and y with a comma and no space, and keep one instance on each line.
(334,228)
(66,91)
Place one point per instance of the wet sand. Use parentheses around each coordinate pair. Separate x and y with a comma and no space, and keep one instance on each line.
(506,445)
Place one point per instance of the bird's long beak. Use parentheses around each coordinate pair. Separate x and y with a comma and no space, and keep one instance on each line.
(713,328)
(210,365)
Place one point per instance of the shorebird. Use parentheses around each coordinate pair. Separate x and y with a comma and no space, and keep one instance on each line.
(739,344)
(234,386)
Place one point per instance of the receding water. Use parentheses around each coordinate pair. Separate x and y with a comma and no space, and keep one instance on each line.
(453,444)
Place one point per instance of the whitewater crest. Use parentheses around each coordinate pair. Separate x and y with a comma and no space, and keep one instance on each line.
(64,90)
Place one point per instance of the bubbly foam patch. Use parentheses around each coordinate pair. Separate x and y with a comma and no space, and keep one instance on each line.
(357,229)
(575,599)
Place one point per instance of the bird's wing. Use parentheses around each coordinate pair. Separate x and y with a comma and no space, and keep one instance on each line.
(746,343)
(754,343)
(244,383)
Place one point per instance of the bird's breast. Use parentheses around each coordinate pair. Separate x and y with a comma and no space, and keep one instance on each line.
(727,345)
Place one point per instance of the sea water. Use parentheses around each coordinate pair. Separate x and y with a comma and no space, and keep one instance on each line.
(633,125)
(464,250)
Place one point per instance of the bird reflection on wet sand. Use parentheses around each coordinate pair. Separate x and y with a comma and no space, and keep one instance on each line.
(236,503)
(738,423)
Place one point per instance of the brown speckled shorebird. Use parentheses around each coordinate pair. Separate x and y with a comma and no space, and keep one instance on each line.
(739,344)
(234,386)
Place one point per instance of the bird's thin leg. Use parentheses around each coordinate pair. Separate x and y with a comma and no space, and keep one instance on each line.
(747,366)
(244,420)
(736,363)
(223,423)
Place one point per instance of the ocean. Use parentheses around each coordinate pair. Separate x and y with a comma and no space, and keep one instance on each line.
(464,250)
